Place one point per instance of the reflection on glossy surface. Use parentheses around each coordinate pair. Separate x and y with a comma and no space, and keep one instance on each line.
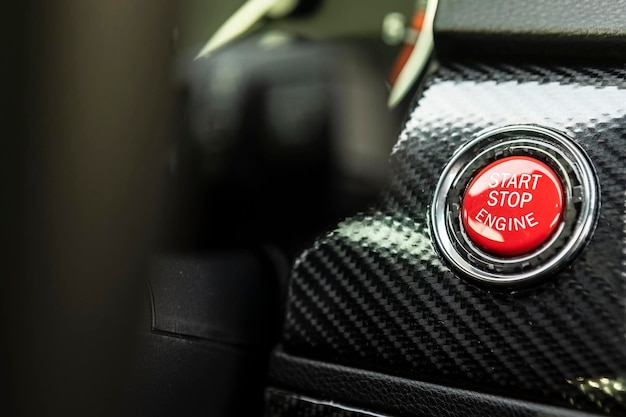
(483,230)
(491,103)
(386,234)
(608,394)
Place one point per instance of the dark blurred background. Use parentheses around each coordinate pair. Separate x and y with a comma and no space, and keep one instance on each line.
(133,282)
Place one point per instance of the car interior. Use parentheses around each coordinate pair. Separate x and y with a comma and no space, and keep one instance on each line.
(314,208)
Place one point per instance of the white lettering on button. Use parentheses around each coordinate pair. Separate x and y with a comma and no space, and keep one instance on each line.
(510,199)
(509,224)
(517,181)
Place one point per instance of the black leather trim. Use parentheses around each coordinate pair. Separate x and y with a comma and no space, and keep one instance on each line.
(394,395)
(281,403)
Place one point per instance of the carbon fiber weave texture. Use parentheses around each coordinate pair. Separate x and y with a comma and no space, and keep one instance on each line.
(375,294)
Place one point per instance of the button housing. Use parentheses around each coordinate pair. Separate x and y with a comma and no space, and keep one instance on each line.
(580,193)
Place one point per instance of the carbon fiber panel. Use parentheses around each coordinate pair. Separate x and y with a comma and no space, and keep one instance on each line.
(375,294)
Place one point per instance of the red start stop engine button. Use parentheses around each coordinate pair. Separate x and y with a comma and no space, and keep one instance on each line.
(512,206)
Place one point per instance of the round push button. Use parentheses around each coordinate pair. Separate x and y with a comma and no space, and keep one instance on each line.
(512,206)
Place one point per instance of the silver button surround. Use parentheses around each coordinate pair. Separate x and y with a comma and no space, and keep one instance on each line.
(581,191)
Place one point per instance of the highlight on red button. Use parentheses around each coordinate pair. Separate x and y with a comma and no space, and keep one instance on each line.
(512,206)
